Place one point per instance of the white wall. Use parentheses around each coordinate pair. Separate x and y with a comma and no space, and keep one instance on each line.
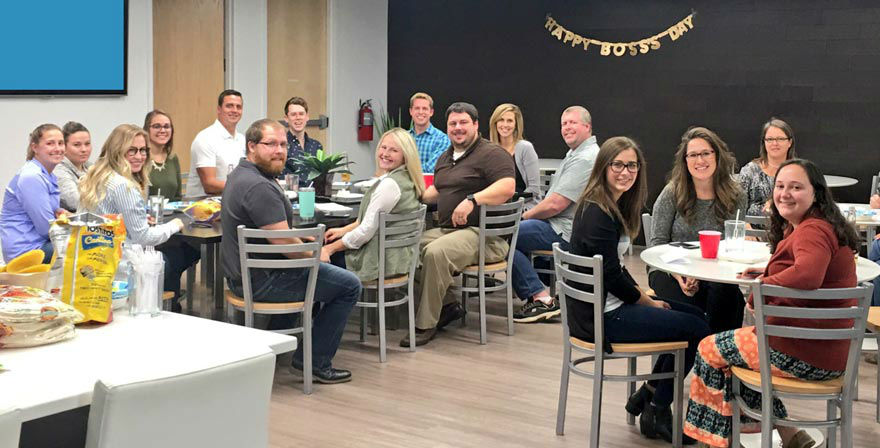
(246,54)
(20,115)
(358,69)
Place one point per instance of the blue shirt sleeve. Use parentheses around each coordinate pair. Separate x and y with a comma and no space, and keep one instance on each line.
(37,201)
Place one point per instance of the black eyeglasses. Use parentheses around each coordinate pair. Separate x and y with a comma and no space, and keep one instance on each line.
(617,166)
(776,139)
(134,151)
(699,155)
(274,144)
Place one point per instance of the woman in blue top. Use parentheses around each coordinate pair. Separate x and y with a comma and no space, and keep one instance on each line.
(32,199)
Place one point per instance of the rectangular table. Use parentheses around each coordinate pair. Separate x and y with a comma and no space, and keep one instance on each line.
(49,379)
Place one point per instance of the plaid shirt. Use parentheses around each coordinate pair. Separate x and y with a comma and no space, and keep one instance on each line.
(431,144)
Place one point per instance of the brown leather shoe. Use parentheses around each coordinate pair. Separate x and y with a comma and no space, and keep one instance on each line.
(801,440)
(422,337)
(871,358)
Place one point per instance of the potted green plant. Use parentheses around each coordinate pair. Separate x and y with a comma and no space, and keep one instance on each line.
(320,169)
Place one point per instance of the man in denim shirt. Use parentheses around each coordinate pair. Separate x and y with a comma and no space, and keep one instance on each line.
(430,140)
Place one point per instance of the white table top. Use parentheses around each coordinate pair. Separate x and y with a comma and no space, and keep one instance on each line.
(549,164)
(839,181)
(53,378)
(723,271)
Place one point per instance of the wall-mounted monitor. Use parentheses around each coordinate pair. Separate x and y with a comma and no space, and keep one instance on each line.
(63,47)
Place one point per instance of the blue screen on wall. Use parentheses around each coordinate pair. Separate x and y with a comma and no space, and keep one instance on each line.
(59,47)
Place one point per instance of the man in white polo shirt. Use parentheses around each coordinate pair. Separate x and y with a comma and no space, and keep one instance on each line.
(217,149)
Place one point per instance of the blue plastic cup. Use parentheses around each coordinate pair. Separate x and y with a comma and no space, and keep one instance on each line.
(306,198)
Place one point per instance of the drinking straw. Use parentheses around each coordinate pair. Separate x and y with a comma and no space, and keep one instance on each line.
(737,214)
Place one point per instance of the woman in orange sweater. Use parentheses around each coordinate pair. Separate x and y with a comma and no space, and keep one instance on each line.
(813,247)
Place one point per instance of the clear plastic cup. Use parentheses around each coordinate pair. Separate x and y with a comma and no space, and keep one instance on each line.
(734,235)
(291,182)
(157,208)
(306,198)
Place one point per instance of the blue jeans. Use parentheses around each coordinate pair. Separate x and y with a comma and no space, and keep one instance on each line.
(534,234)
(874,255)
(636,323)
(336,291)
(48,251)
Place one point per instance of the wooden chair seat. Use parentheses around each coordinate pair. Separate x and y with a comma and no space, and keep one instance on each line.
(542,253)
(874,319)
(490,267)
(791,385)
(167,295)
(400,279)
(640,347)
(238,302)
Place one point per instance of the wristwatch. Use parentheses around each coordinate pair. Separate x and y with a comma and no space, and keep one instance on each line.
(473,200)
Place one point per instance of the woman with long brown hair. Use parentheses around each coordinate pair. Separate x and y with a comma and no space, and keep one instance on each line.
(700,195)
(607,219)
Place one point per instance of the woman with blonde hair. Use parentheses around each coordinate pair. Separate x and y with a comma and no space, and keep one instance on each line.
(32,198)
(397,191)
(700,195)
(506,130)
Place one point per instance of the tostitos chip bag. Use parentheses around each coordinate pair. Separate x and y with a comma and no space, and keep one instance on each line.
(90,262)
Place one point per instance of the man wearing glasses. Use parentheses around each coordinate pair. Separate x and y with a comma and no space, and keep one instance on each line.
(550,221)
(217,149)
(253,198)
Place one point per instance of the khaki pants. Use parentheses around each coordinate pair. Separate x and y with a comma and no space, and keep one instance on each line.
(443,253)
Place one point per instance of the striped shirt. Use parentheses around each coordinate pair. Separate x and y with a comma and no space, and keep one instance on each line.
(125,199)
(431,144)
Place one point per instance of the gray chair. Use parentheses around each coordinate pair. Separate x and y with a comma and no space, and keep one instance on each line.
(545,183)
(760,227)
(837,393)
(875,180)
(395,230)
(874,326)
(501,221)
(648,228)
(249,251)
(594,353)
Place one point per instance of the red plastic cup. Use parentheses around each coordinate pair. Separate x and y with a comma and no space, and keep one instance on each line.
(709,241)
(429,179)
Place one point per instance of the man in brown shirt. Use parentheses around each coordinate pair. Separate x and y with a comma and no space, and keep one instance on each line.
(471,172)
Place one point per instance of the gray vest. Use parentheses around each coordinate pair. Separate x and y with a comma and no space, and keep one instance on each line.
(364,262)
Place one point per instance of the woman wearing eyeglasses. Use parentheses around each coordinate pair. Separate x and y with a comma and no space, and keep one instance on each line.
(117,183)
(164,165)
(756,177)
(606,219)
(701,194)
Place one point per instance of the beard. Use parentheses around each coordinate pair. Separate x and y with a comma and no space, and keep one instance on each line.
(269,166)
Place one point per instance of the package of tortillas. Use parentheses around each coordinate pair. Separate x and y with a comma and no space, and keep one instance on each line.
(31,316)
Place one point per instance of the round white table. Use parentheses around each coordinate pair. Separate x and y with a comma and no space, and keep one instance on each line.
(692,264)
(548,165)
(839,181)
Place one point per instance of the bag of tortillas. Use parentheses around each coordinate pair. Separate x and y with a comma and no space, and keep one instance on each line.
(30,316)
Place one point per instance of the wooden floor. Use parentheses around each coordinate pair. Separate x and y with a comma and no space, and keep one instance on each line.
(456,393)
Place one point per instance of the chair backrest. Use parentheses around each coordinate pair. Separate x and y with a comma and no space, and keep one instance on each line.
(874,181)
(400,230)
(503,221)
(231,402)
(648,227)
(760,227)
(247,251)
(564,262)
(10,427)
(545,183)
(854,332)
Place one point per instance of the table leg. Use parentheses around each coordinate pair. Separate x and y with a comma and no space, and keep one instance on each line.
(207,273)
(190,288)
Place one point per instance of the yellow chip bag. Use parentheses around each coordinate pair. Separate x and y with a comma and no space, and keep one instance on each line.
(93,253)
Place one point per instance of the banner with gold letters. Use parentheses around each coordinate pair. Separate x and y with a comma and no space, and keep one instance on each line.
(633,48)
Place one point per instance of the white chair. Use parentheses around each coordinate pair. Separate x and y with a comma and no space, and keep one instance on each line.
(501,221)
(246,304)
(594,352)
(837,393)
(222,406)
(395,230)
(10,427)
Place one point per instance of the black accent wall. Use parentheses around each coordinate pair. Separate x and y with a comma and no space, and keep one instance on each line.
(816,64)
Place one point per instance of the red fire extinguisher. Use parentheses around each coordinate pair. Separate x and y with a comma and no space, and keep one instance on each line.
(365,122)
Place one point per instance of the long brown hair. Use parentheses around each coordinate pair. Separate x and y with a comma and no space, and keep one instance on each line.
(148,122)
(629,207)
(727,190)
(823,207)
(786,129)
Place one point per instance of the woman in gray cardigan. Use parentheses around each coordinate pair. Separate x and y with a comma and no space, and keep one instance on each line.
(506,130)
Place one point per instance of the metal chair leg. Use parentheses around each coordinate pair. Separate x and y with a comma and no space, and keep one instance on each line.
(563,391)
(481,282)
(363,320)
(380,309)
(735,415)
(596,416)
(464,297)
(831,436)
(509,306)
(412,317)
(678,401)
(630,387)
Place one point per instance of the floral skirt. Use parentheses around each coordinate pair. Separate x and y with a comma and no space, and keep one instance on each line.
(709,410)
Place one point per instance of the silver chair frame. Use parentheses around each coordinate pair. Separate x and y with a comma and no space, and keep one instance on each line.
(563,262)
(837,401)
(504,220)
(311,263)
(760,234)
(395,230)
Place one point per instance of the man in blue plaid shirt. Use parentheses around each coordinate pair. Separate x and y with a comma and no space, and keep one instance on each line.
(430,140)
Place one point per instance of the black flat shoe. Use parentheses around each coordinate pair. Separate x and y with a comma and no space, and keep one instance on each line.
(329,375)
(450,313)
(637,401)
(656,423)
